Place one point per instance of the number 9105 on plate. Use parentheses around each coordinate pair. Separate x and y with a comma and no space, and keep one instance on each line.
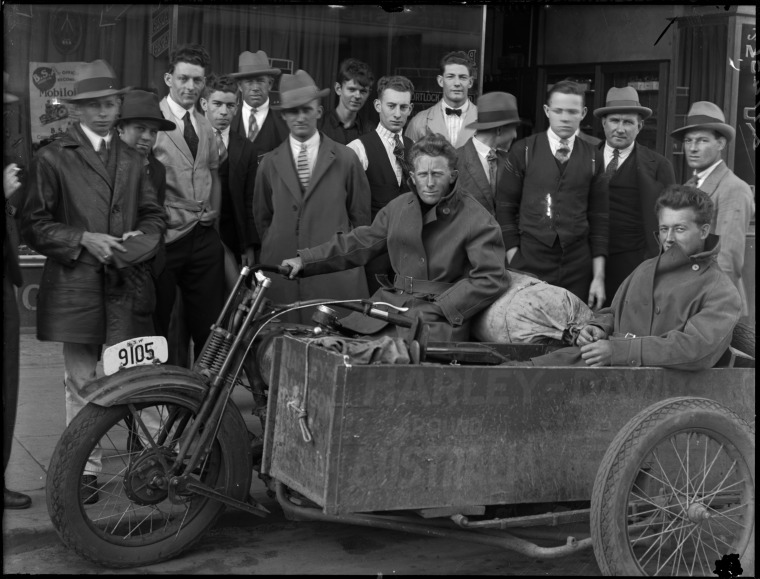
(135,352)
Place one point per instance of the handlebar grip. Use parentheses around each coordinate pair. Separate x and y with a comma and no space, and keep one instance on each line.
(272,268)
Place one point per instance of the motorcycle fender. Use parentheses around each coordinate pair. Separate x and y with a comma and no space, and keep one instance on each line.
(159,383)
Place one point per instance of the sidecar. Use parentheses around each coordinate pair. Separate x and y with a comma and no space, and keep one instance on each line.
(660,462)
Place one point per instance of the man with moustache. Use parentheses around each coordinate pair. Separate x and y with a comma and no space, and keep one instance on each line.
(454,111)
(343,124)
(194,253)
(88,196)
(307,189)
(704,138)
(255,120)
(636,176)
(383,154)
(482,160)
(552,203)
(237,171)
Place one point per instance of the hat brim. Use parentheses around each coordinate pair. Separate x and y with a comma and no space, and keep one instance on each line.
(163,124)
(726,130)
(299,100)
(269,71)
(493,124)
(96,94)
(643,111)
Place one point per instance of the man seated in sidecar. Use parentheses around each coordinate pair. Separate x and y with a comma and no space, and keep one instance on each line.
(444,246)
(676,310)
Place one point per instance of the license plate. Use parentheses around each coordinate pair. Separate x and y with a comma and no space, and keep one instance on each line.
(135,352)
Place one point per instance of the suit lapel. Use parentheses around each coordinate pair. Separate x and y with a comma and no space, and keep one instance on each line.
(436,122)
(714,179)
(469,117)
(234,151)
(282,158)
(176,136)
(472,162)
(325,157)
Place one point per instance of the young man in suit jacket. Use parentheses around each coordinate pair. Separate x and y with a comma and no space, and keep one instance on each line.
(704,138)
(449,116)
(255,120)
(636,177)
(194,253)
(553,203)
(483,158)
(307,189)
(237,172)
(383,153)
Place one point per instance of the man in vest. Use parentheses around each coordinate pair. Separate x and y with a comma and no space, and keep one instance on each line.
(383,154)
(554,189)
(704,137)
(637,175)
(482,159)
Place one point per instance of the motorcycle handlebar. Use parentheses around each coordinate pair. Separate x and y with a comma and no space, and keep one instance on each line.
(367,308)
(271,268)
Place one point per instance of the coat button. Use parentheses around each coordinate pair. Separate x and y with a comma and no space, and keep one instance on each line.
(295,208)
(695,267)
(657,310)
(446,210)
(422,260)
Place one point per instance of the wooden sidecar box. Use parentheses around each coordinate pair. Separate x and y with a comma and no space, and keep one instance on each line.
(388,437)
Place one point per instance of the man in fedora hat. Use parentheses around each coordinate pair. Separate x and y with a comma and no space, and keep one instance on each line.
(482,158)
(383,154)
(636,177)
(307,189)
(704,138)
(553,205)
(343,124)
(88,194)
(449,116)
(194,253)
(253,120)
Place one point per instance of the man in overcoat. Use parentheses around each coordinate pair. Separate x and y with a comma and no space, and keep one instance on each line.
(677,310)
(482,160)
(636,176)
(308,189)
(553,202)
(89,193)
(444,246)
(704,137)
(454,111)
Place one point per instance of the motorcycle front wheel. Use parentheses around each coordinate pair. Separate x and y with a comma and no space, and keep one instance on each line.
(128,515)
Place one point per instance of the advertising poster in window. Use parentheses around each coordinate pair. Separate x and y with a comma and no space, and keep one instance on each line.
(746,138)
(49,84)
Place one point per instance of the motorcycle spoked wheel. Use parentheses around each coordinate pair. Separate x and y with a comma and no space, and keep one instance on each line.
(135,522)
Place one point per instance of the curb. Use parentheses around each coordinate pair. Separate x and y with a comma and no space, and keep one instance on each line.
(25,540)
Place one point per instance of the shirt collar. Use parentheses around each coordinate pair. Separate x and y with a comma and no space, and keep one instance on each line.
(96,138)
(385,133)
(481,148)
(463,108)
(177,110)
(261,109)
(554,138)
(312,142)
(623,152)
(702,175)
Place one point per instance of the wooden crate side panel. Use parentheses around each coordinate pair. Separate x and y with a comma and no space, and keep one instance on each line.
(421,437)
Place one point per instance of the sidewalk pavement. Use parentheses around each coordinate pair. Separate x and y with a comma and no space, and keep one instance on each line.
(40,421)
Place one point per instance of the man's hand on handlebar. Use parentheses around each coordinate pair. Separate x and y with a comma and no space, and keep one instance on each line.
(590,334)
(295,264)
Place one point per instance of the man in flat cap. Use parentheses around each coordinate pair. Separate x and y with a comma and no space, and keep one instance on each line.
(88,194)
(482,158)
(255,120)
(637,175)
(307,189)
(704,138)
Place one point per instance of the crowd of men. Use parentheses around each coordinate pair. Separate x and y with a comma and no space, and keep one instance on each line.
(143,199)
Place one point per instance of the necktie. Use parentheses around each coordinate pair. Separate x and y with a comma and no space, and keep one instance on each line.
(399,153)
(103,152)
(191,136)
(457,112)
(563,153)
(613,165)
(221,147)
(253,126)
(692,182)
(492,158)
(303,167)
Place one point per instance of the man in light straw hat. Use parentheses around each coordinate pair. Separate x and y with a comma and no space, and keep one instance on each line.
(637,175)
(483,156)
(254,119)
(307,189)
(87,195)
(704,138)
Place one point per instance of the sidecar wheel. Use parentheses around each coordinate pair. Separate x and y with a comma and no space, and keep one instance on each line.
(131,516)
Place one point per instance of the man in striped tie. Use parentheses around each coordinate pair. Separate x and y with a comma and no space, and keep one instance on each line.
(307,189)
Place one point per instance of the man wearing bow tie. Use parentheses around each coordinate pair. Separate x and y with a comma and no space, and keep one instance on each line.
(449,116)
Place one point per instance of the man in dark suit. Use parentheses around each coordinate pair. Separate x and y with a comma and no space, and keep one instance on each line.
(237,171)
(482,159)
(255,79)
(552,205)
(637,175)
